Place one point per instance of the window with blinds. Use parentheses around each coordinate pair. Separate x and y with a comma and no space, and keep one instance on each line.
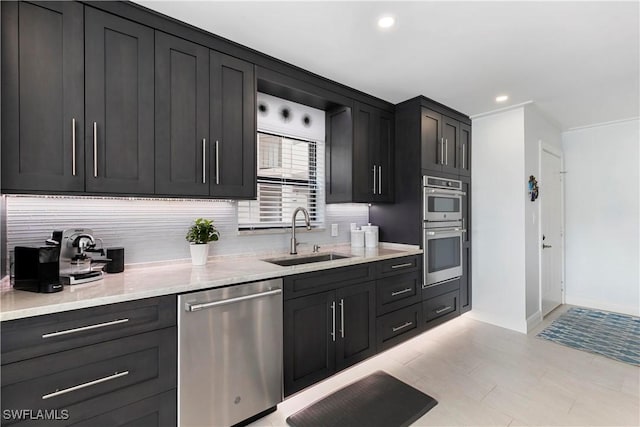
(290,174)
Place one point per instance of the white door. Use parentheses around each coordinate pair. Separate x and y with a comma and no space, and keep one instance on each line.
(551,226)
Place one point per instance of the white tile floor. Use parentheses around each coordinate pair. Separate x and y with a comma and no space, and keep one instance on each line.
(485,375)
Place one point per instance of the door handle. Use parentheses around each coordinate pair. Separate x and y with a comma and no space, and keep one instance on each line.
(446,151)
(397,328)
(463,155)
(546,246)
(341,318)
(374,179)
(85,385)
(379,179)
(441,151)
(404,291)
(200,306)
(204,160)
(333,317)
(95,149)
(73,146)
(217,163)
(443,309)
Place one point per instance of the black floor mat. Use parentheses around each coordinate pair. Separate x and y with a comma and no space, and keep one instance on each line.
(378,400)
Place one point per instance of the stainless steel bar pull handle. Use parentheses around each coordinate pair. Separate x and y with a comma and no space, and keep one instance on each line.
(464,229)
(443,309)
(204,160)
(374,179)
(442,151)
(333,317)
(200,306)
(217,163)
(446,151)
(342,318)
(425,286)
(405,325)
(85,385)
(406,264)
(73,146)
(95,149)
(463,156)
(379,179)
(404,291)
(85,328)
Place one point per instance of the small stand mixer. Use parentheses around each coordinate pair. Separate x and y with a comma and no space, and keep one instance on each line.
(76,265)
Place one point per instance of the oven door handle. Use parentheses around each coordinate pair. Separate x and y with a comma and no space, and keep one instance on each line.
(445,231)
(431,191)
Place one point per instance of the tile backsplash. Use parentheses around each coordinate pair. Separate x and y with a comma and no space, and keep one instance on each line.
(154,229)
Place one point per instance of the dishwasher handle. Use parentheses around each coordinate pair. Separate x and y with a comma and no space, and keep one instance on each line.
(200,306)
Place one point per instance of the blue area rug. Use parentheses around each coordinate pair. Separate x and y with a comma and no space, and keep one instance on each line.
(616,336)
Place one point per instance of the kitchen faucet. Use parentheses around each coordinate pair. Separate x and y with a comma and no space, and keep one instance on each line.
(293,227)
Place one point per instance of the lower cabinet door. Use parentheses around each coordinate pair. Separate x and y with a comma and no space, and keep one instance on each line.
(92,380)
(156,411)
(398,326)
(355,313)
(309,340)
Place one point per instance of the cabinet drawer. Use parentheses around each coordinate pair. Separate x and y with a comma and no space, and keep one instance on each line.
(36,336)
(156,411)
(398,265)
(325,280)
(398,326)
(440,306)
(397,292)
(431,291)
(92,380)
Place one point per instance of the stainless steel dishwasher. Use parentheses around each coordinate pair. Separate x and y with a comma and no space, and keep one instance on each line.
(229,353)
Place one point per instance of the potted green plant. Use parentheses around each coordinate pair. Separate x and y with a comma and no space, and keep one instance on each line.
(200,234)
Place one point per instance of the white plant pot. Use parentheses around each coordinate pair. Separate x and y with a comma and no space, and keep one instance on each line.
(199,253)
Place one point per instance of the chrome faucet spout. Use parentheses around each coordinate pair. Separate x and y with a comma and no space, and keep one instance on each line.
(307,221)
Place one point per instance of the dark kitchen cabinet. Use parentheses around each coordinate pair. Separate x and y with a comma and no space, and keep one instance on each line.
(451,142)
(232,149)
(105,365)
(309,343)
(42,96)
(360,144)
(440,138)
(355,317)
(119,105)
(181,117)
(372,154)
(330,329)
(464,151)
(465,280)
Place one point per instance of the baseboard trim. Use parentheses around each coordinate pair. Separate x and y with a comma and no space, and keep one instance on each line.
(497,321)
(534,320)
(600,305)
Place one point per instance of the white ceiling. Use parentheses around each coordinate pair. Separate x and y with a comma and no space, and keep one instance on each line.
(578,61)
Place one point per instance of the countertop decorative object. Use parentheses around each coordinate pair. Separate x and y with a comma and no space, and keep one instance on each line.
(150,280)
(200,234)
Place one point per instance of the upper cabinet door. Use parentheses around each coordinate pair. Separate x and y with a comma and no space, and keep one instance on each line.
(233,128)
(464,150)
(42,96)
(365,144)
(432,140)
(119,102)
(451,136)
(385,150)
(338,155)
(182,117)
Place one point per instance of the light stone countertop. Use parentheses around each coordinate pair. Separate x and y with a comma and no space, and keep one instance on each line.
(175,277)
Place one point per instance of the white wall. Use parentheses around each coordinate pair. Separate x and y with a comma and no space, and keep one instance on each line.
(602,216)
(538,129)
(498,249)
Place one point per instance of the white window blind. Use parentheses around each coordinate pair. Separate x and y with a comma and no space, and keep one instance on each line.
(290,174)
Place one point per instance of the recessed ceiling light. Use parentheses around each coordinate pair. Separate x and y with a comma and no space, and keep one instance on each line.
(386,21)
(502,98)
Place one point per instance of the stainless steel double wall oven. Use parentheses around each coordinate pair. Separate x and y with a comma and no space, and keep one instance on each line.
(443,228)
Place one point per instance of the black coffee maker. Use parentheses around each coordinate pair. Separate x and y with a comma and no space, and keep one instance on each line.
(37,269)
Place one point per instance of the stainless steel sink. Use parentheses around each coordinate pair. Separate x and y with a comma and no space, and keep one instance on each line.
(285,262)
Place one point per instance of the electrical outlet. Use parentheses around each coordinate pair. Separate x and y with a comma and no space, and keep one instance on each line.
(334,230)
